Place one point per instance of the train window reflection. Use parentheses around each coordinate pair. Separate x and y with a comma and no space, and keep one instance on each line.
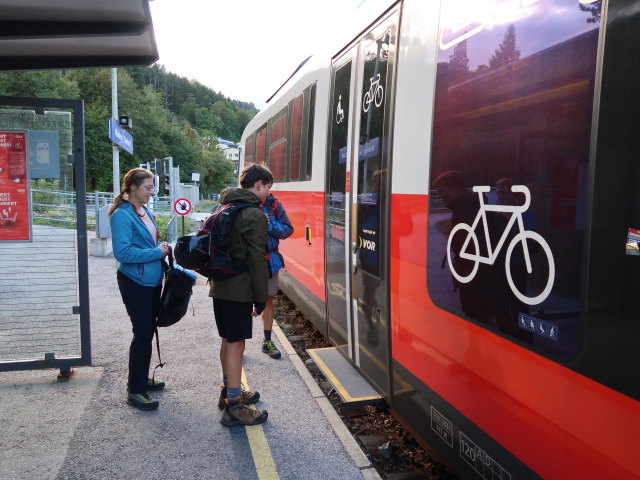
(510,152)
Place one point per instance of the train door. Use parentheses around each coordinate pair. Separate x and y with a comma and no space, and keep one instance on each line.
(359,201)
(338,175)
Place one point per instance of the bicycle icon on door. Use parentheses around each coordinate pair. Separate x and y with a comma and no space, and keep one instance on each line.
(520,238)
(375,94)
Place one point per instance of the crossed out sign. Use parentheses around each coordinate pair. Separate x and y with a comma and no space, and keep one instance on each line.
(182,206)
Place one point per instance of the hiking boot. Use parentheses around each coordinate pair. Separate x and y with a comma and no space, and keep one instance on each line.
(270,349)
(153,385)
(247,397)
(141,401)
(237,413)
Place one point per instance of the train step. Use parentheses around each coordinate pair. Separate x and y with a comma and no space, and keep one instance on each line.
(344,378)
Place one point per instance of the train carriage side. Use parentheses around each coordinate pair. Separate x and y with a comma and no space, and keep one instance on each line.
(509,372)
(289,136)
(459,236)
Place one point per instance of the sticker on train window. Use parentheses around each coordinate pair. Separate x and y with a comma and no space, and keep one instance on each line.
(633,242)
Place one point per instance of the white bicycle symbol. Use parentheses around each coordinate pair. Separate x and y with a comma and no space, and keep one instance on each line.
(521,237)
(339,111)
(375,94)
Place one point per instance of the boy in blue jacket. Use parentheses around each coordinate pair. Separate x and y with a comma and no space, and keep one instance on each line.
(279,228)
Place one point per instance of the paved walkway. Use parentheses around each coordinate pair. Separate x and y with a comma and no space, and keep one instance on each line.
(82,428)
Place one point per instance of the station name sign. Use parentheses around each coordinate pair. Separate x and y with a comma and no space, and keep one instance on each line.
(119,136)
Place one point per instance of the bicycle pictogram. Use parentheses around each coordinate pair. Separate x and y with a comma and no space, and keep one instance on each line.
(520,238)
(375,93)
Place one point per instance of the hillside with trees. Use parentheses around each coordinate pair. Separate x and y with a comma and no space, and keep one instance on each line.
(171,116)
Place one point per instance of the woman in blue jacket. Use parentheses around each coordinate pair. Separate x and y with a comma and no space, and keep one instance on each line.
(135,246)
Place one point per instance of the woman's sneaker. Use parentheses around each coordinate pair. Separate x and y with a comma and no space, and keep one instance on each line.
(270,349)
(153,385)
(248,397)
(142,401)
(237,413)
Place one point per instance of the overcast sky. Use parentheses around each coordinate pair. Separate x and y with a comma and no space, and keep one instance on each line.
(245,49)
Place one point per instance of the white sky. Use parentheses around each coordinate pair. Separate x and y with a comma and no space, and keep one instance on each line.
(244,49)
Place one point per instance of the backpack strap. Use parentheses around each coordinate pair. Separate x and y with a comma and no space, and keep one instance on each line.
(160,362)
(167,269)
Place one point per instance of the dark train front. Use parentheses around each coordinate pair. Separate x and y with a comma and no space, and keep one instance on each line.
(463,180)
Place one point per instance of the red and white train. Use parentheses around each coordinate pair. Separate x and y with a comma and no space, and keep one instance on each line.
(463,181)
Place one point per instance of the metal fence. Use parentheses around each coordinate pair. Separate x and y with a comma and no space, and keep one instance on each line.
(59,207)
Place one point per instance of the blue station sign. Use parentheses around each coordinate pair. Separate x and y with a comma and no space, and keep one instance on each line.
(120,136)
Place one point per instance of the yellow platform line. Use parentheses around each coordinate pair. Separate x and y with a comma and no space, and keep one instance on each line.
(262,458)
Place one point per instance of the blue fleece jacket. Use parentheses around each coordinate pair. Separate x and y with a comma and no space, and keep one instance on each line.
(134,248)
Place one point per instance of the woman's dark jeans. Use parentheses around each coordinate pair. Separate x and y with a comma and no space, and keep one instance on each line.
(142,306)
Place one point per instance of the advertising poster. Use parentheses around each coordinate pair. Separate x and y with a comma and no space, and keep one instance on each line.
(15,214)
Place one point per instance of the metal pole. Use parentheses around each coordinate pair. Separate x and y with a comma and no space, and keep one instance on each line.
(183,225)
(114,114)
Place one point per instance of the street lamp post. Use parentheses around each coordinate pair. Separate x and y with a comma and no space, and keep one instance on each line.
(114,114)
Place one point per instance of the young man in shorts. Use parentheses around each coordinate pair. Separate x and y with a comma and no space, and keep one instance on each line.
(237,299)
(279,228)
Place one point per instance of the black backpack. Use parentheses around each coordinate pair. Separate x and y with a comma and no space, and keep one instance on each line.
(208,251)
(176,293)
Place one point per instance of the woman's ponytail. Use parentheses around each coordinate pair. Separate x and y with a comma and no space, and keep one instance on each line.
(135,176)
(117,201)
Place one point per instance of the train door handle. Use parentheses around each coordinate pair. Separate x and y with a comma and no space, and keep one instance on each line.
(307,234)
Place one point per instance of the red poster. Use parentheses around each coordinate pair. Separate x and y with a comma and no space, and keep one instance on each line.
(15,221)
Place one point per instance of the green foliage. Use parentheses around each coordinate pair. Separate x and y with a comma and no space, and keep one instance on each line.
(41,84)
(203,108)
(161,222)
(171,116)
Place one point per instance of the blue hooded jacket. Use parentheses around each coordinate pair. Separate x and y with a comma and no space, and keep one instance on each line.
(279,228)
(137,252)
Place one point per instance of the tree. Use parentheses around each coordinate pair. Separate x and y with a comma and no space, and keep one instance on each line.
(42,84)
(459,62)
(594,9)
(99,154)
(507,52)
(172,116)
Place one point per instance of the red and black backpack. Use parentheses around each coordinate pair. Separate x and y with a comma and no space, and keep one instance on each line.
(208,251)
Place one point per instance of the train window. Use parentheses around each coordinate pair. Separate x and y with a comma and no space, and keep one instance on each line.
(338,155)
(509,163)
(276,161)
(296,137)
(278,127)
(261,145)
(310,116)
(372,159)
(249,149)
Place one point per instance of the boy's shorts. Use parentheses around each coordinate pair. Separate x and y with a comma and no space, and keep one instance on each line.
(233,319)
(273,284)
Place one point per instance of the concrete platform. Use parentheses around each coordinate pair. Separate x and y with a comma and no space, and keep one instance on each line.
(83,429)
